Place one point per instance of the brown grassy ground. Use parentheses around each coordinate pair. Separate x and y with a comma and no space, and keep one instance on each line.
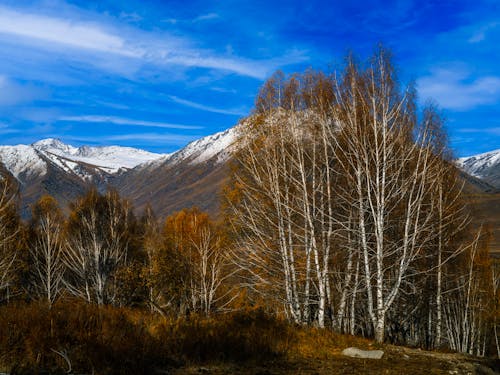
(121,341)
(396,360)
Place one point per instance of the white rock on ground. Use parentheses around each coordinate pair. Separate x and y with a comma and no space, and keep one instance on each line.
(358,353)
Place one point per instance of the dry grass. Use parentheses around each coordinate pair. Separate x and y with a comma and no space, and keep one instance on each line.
(109,340)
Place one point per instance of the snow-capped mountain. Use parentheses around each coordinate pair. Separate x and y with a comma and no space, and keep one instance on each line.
(84,162)
(110,159)
(199,151)
(52,167)
(22,160)
(484,166)
(192,176)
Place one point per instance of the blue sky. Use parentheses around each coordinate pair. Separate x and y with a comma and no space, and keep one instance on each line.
(158,74)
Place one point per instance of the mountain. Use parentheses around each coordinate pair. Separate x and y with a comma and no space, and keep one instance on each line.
(169,182)
(483,166)
(52,167)
(192,176)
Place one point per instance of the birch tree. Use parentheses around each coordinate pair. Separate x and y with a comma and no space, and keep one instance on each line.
(46,250)
(391,164)
(152,244)
(196,241)
(97,243)
(345,203)
(9,232)
(286,200)
(495,276)
(470,301)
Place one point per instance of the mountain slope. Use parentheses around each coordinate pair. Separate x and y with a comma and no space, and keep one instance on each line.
(484,166)
(192,176)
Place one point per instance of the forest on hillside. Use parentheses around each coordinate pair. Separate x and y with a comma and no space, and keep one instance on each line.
(344,212)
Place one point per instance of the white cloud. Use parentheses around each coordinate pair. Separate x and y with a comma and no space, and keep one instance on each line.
(150,138)
(188,103)
(480,34)
(131,17)
(154,138)
(206,17)
(495,130)
(61,31)
(158,48)
(4,129)
(126,121)
(454,89)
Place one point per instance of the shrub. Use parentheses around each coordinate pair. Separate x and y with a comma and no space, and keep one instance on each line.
(109,340)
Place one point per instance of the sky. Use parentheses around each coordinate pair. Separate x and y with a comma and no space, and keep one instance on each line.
(159,74)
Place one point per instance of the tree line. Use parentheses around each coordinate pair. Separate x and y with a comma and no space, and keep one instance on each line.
(344,211)
(101,253)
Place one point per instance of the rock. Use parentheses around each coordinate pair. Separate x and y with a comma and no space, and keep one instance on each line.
(358,353)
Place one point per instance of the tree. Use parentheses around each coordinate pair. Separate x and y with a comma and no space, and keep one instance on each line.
(10,230)
(45,249)
(153,245)
(284,209)
(336,181)
(392,167)
(469,304)
(190,271)
(98,236)
(495,275)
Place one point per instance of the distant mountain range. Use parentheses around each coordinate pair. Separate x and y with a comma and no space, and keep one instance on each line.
(168,182)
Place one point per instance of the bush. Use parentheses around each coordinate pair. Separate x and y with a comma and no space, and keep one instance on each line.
(94,339)
(107,340)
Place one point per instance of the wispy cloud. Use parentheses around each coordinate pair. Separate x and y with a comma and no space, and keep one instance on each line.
(494,130)
(4,129)
(158,48)
(61,31)
(481,33)
(202,107)
(126,121)
(453,89)
(131,17)
(223,90)
(155,137)
(206,17)
(150,138)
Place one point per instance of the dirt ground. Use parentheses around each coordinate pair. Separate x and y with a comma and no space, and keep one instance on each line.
(396,360)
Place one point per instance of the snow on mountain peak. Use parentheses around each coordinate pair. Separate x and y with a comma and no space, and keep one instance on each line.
(32,159)
(205,148)
(22,160)
(53,145)
(478,165)
(114,158)
(109,158)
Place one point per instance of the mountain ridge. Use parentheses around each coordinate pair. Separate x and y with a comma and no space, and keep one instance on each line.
(50,166)
(190,176)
